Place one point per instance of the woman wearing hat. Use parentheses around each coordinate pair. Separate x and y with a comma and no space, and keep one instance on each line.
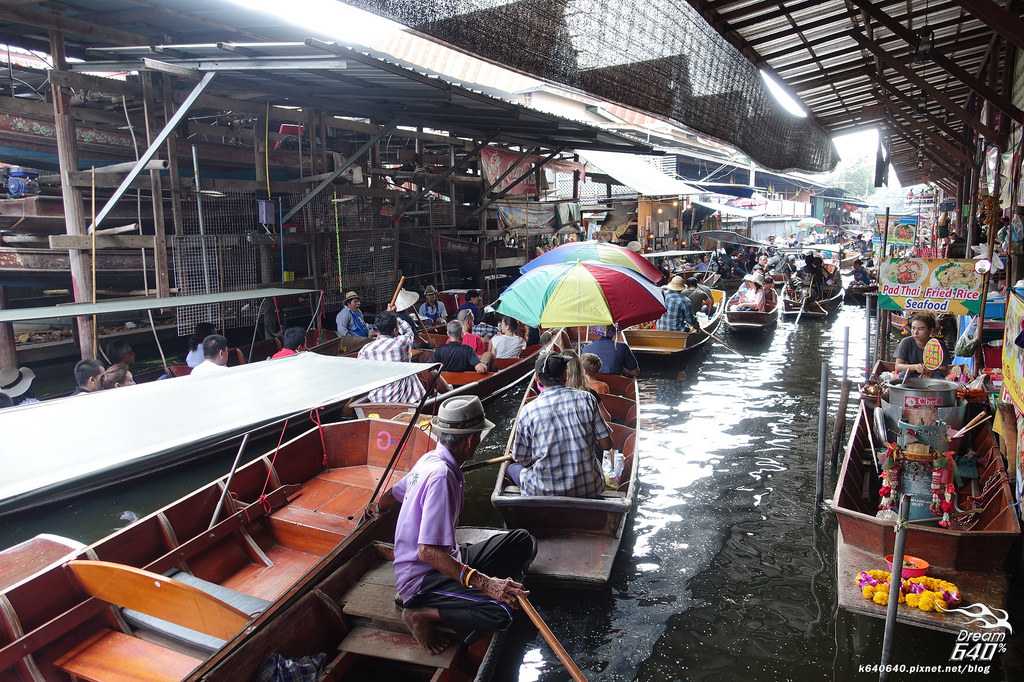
(432,310)
(750,295)
(678,308)
(468,588)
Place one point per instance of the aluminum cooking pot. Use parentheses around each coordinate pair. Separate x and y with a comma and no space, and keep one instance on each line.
(930,392)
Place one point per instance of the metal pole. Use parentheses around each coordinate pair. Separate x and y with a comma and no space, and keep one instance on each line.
(280,235)
(227,486)
(819,480)
(895,577)
(867,334)
(199,213)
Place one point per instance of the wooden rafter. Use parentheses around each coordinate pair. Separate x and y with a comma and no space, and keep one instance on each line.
(999,19)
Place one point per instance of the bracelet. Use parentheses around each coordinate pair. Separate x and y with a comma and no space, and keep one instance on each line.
(469,576)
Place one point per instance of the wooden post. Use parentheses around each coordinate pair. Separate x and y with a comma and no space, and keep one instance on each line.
(259,158)
(167,95)
(576,179)
(157,190)
(819,478)
(8,349)
(74,211)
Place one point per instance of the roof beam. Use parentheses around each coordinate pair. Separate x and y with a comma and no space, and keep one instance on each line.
(998,19)
(54,21)
(914,105)
(1002,102)
(897,128)
(940,97)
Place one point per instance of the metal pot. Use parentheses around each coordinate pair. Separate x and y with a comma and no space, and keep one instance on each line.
(936,392)
(953,416)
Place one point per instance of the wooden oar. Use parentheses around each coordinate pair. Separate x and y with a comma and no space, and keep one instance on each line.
(570,665)
(470,466)
(398,289)
(802,304)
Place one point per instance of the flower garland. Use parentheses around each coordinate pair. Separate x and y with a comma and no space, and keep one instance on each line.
(924,593)
(890,476)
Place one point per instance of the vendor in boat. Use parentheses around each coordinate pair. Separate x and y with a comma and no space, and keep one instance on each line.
(678,315)
(87,376)
(559,437)
(215,354)
(910,351)
(195,343)
(455,356)
(394,344)
(750,295)
(472,588)
(860,273)
(509,343)
(700,301)
(291,343)
(432,311)
(352,328)
(616,358)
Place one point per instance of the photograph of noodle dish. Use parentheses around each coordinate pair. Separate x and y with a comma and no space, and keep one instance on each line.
(956,275)
(907,271)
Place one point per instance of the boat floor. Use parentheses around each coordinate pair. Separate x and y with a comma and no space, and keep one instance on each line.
(270,582)
(975,587)
(568,559)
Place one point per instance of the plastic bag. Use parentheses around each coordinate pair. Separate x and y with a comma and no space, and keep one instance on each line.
(967,343)
(277,668)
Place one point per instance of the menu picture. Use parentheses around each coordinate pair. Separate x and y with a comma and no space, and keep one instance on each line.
(935,285)
(1013,355)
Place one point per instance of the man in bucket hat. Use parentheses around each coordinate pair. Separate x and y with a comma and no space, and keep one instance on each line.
(352,328)
(468,588)
(678,309)
(432,310)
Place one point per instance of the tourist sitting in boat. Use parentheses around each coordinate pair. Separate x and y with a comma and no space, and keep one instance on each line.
(479,345)
(291,343)
(87,376)
(574,375)
(432,310)
(195,343)
(215,356)
(678,315)
(352,328)
(487,328)
(473,303)
(508,343)
(121,353)
(750,295)
(16,384)
(860,273)
(700,301)
(559,437)
(591,368)
(910,351)
(702,264)
(394,344)
(455,356)
(468,589)
(616,358)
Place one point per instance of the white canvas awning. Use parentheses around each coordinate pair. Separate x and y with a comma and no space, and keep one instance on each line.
(57,442)
(635,172)
(726,209)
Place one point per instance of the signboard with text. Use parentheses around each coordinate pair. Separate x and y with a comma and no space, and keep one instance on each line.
(1013,354)
(934,285)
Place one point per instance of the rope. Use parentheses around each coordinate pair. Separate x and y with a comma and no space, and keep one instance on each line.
(264,502)
(314,416)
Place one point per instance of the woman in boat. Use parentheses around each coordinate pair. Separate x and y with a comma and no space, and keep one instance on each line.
(508,343)
(470,589)
(574,376)
(860,274)
(910,351)
(750,295)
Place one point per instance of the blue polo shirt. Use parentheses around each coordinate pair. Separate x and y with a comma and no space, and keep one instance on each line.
(615,357)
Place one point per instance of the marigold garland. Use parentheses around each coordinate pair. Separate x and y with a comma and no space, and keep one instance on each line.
(924,593)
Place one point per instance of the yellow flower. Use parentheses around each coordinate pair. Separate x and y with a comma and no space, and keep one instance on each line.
(868,591)
(913,600)
(880,598)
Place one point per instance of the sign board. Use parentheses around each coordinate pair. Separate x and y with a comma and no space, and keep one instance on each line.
(935,285)
(902,229)
(1013,355)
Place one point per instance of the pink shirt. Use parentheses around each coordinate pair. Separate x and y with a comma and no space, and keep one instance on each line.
(283,353)
(478,345)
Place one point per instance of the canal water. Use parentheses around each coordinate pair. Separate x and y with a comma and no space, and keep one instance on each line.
(726,574)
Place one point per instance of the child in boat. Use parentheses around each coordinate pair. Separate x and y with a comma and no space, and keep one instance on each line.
(591,368)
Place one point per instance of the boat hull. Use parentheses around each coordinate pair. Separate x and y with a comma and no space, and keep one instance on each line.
(755,321)
(816,309)
(664,342)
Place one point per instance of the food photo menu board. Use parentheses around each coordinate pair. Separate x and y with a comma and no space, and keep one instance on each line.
(934,285)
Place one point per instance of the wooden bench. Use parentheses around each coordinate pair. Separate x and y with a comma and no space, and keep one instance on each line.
(110,656)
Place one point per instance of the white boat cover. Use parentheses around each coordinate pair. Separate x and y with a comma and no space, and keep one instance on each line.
(127,305)
(59,441)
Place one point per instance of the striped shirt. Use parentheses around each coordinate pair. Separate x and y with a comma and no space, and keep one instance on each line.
(556,442)
(394,349)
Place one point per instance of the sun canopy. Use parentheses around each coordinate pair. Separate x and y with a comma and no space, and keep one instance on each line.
(673,254)
(726,209)
(636,173)
(127,305)
(729,237)
(59,442)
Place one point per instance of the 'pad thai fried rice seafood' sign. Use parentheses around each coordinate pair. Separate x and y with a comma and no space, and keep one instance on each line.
(935,285)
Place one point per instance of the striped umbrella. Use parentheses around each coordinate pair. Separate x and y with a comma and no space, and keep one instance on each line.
(576,294)
(596,252)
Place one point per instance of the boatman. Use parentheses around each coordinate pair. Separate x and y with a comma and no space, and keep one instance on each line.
(616,358)
(559,437)
(432,310)
(472,588)
(352,328)
(678,315)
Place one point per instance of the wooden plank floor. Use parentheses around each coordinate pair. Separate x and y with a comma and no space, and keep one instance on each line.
(111,656)
(576,559)
(986,588)
(270,582)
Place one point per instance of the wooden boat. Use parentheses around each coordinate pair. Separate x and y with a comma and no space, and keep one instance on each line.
(793,303)
(755,320)
(154,599)
(578,538)
(664,342)
(25,558)
(972,553)
(856,294)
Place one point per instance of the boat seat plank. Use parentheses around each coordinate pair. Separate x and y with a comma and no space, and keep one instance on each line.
(351,502)
(111,656)
(571,558)
(321,520)
(315,532)
(357,476)
(315,492)
(394,646)
(375,602)
(270,582)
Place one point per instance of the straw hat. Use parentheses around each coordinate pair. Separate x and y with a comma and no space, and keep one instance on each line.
(406,299)
(429,290)
(463,415)
(634,246)
(14,381)
(756,278)
(676,284)
(350,295)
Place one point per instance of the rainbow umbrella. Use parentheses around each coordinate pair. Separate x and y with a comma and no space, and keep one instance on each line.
(575,294)
(596,252)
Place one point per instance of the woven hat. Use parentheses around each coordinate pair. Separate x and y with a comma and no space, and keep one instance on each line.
(676,284)
(14,381)
(406,299)
(756,278)
(349,295)
(429,290)
(462,415)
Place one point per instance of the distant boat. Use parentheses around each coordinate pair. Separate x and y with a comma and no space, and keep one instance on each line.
(665,342)
(755,321)
(796,302)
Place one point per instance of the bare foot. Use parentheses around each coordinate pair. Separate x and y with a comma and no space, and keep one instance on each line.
(422,628)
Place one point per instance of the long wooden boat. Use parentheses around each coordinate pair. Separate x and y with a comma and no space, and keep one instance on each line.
(578,538)
(856,294)
(755,320)
(972,553)
(154,599)
(793,303)
(664,342)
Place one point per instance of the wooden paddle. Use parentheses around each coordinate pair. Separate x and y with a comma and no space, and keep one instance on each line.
(470,466)
(398,290)
(570,665)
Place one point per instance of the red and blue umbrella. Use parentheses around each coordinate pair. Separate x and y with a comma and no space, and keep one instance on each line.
(596,252)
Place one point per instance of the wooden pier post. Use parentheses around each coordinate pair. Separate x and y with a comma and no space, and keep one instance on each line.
(895,577)
(819,474)
(839,426)
(867,334)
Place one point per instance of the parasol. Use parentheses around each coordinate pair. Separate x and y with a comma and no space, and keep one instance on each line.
(574,294)
(596,252)
(809,223)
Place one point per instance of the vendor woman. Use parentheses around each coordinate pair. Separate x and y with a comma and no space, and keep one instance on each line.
(910,352)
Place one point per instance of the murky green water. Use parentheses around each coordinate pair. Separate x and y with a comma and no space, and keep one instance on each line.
(726,574)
